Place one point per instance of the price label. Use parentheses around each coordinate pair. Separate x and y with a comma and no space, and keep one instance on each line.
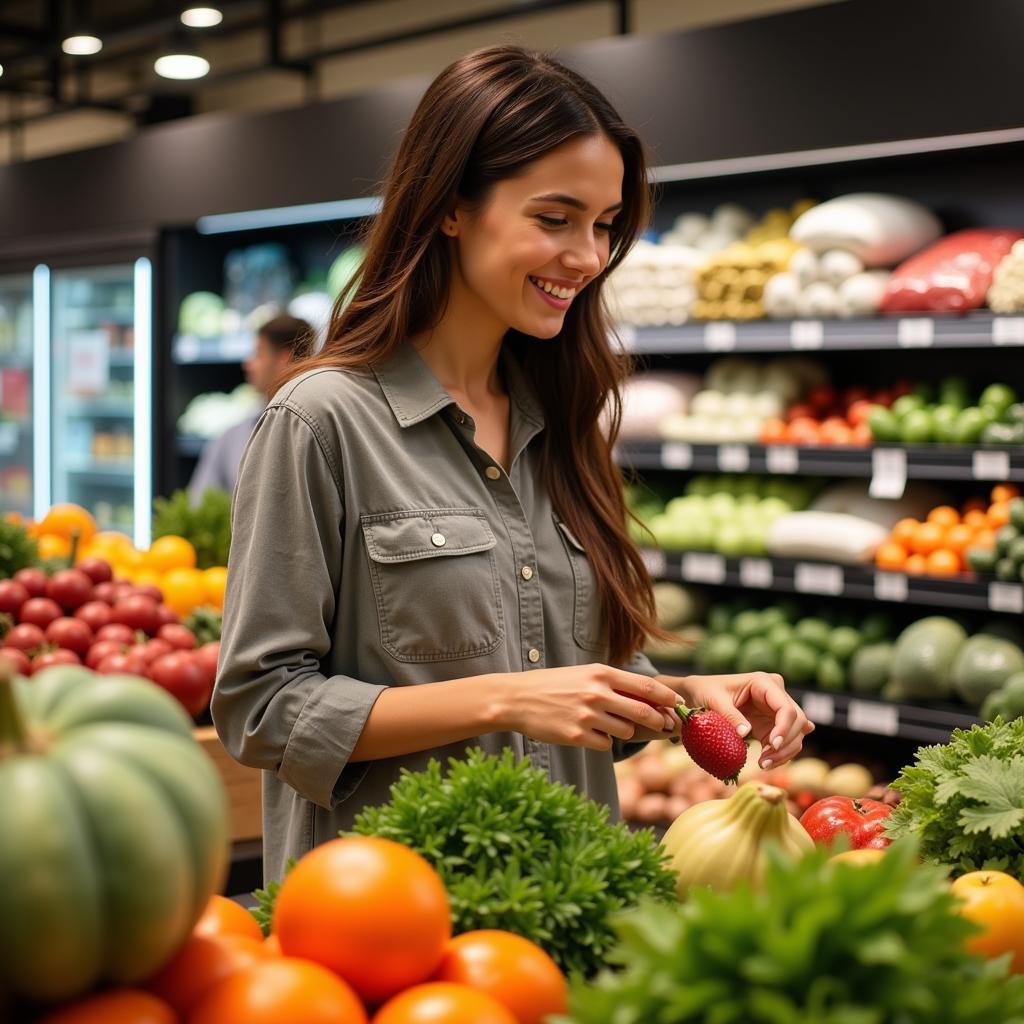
(733,458)
(805,335)
(720,336)
(626,336)
(655,561)
(820,708)
(990,465)
(1006,597)
(676,455)
(756,573)
(870,716)
(888,473)
(811,578)
(1008,330)
(700,567)
(890,586)
(782,458)
(915,332)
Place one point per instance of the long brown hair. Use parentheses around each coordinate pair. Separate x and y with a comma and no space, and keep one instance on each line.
(482,120)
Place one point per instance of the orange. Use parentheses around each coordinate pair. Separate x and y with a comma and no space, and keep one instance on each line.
(774,431)
(202,964)
(441,1002)
(166,553)
(944,563)
(976,519)
(1005,492)
(994,901)
(916,565)
(68,520)
(272,944)
(119,1006)
(226,917)
(371,910)
(511,969)
(959,537)
(927,538)
(53,545)
(999,514)
(184,590)
(890,555)
(215,581)
(280,990)
(984,539)
(904,532)
(944,515)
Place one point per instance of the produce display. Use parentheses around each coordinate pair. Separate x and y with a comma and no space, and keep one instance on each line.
(207,526)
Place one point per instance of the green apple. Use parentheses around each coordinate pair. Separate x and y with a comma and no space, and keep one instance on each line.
(998,397)
(917,427)
(906,404)
(970,425)
(884,424)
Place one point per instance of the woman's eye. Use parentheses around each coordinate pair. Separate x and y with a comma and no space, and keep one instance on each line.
(555,223)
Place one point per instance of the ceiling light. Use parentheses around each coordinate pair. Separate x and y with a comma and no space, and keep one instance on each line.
(181,66)
(201,17)
(82,46)
(1,69)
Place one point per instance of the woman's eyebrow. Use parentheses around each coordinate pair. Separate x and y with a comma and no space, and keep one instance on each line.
(559,197)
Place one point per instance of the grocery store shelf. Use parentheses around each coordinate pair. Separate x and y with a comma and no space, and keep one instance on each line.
(98,408)
(121,470)
(191,447)
(122,358)
(12,363)
(824,579)
(228,348)
(912,462)
(978,330)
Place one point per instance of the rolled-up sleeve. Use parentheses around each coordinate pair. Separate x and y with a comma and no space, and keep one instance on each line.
(272,706)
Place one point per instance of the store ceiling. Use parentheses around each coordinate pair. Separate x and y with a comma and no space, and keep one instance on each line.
(39,80)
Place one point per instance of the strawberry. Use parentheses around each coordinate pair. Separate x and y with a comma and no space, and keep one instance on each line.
(712,741)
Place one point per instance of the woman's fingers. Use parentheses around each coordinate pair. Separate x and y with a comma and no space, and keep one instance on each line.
(644,688)
(638,713)
(789,716)
(612,725)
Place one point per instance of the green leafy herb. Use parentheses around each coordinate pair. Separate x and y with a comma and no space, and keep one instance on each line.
(524,854)
(964,800)
(207,527)
(17,548)
(266,898)
(819,943)
(205,623)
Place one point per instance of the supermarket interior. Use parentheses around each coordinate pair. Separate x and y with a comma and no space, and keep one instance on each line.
(819,462)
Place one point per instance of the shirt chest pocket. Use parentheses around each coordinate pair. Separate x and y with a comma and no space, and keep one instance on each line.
(587,625)
(435,580)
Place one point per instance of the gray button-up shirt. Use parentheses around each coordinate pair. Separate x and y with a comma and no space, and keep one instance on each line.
(375,544)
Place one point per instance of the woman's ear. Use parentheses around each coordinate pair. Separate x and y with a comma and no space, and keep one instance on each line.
(450,224)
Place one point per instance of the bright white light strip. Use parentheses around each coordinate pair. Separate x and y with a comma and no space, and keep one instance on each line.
(1,69)
(82,46)
(281,216)
(182,67)
(835,154)
(143,402)
(41,407)
(201,17)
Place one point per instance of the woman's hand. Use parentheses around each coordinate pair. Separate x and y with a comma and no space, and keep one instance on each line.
(757,704)
(587,705)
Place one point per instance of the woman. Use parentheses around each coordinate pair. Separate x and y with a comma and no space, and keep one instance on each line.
(430,547)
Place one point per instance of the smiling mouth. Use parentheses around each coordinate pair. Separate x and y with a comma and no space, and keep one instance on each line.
(553,298)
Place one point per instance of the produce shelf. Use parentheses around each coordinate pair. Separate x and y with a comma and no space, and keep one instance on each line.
(825,579)
(228,348)
(978,330)
(889,465)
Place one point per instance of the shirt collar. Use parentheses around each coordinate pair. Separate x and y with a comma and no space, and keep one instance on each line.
(415,394)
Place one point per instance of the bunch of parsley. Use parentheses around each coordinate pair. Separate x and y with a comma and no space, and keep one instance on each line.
(207,527)
(819,943)
(524,854)
(965,800)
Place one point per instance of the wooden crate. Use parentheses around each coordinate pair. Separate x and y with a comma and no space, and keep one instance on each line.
(242,785)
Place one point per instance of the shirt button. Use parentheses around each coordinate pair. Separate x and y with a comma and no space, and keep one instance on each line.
(533,655)
(438,540)
(493,473)
(527,573)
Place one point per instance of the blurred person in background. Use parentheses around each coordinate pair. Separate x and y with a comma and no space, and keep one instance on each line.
(279,341)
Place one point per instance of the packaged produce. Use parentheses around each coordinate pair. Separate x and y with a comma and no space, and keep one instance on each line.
(952,275)
(830,536)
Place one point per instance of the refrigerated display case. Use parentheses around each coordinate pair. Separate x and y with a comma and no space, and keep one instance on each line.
(16,451)
(101,393)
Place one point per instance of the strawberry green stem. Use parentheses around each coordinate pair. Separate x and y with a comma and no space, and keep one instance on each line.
(685,713)
(13,733)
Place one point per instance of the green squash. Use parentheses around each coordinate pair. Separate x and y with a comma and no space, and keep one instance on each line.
(113,831)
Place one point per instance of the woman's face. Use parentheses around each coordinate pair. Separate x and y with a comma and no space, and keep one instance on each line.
(550,225)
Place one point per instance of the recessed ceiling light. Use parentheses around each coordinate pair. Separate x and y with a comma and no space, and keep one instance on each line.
(201,17)
(81,46)
(181,66)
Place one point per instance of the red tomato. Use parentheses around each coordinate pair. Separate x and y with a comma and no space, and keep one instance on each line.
(148,590)
(116,631)
(862,820)
(103,649)
(853,395)
(40,611)
(128,663)
(822,398)
(33,580)
(26,637)
(183,677)
(105,592)
(58,657)
(72,634)
(96,569)
(70,588)
(799,411)
(153,649)
(179,637)
(138,612)
(166,614)
(207,656)
(804,431)
(95,614)
(859,412)
(12,596)
(861,435)
(885,398)
(22,667)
